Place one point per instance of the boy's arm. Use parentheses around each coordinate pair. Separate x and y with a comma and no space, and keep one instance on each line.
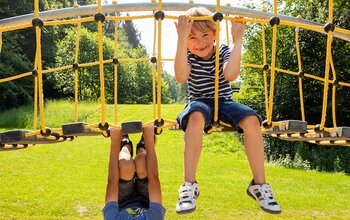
(181,68)
(113,169)
(154,189)
(233,65)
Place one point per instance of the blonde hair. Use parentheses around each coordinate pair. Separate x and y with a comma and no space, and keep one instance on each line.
(201,25)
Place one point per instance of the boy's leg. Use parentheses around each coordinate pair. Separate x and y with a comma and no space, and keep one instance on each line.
(244,118)
(126,163)
(193,145)
(188,192)
(254,146)
(195,117)
(140,163)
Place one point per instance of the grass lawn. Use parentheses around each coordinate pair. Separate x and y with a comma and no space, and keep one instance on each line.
(68,180)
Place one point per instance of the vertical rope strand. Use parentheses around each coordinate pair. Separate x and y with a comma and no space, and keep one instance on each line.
(334,89)
(301,96)
(273,63)
(39,67)
(265,72)
(326,77)
(216,92)
(154,68)
(102,81)
(115,68)
(76,76)
(159,69)
(0,41)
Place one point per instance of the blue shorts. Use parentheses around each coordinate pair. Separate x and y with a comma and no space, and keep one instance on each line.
(230,112)
(111,211)
(134,191)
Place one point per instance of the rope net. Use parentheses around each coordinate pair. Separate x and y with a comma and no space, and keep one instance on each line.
(311,133)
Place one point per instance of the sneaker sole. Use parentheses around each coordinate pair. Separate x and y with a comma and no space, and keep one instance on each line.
(186,211)
(266,210)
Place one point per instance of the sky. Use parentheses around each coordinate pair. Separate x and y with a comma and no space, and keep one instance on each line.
(169,35)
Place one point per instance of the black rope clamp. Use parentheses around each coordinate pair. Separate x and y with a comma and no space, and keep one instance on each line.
(329,27)
(218,16)
(56,135)
(266,125)
(46,133)
(75,66)
(157,130)
(158,123)
(115,60)
(153,59)
(317,129)
(106,133)
(100,17)
(301,74)
(274,21)
(37,22)
(103,127)
(159,14)
(335,82)
(35,72)
(266,67)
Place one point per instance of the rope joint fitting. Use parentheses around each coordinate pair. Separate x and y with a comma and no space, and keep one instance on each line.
(218,16)
(103,127)
(159,15)
(100,17)
(75,66)
(266,67)
(329,27)
(37,22)
(115,60)
(153,59)
(34,72)
(274,21)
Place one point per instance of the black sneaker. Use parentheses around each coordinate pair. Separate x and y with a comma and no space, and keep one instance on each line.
(125,141)
(141,144)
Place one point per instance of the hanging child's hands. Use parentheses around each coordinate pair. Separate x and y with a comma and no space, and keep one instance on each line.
(183,26)
(237,29)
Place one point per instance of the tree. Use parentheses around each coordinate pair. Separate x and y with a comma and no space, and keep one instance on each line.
(286,95)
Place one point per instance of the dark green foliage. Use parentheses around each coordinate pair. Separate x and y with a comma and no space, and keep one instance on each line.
(286,91)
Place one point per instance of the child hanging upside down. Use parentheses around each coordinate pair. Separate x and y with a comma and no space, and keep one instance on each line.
(133,189)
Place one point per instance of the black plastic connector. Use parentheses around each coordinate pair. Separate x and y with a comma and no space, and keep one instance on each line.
(266,67)
(34,73)
(100,17)
(274,21)
(56,135)
(75,66)
(301,74)
(317,129)
(153,59)
(46,133)
(159,15)
(266,125)
(115,60)
(329,27)
(37,22)
(103,127)
(218,16)
(158,123)
(335,82)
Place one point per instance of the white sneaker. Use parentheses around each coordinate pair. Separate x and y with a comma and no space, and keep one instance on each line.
(188,193)
(264,196)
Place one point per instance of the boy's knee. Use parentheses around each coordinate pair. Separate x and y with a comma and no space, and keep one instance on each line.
(196,117)
(140,164)
(251,121)
(126,169)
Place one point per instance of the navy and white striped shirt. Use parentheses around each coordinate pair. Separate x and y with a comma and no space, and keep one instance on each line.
(201,81)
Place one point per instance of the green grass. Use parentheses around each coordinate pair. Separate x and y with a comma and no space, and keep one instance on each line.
(68,180)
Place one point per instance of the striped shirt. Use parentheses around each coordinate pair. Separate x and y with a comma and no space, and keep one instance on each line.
(201,81)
